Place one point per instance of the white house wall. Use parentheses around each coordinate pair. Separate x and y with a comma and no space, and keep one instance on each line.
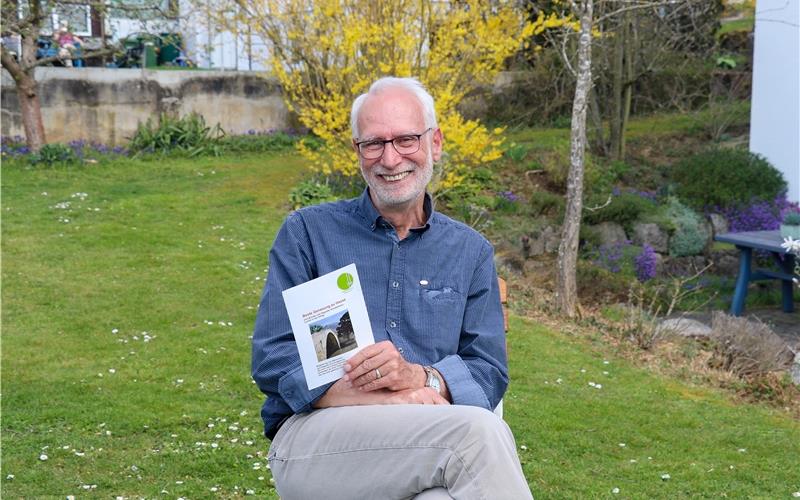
(775,108)
(210,47)
(205,44)
(120,28)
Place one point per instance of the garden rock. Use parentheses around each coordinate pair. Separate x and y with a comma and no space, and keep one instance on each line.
(647,233)
(719,224)
(794,371)
(552,238)
(726,262)
(545,240)
(609,233)
(684,327)
(510,261)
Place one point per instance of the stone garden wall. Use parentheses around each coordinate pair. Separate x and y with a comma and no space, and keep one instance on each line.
(106,105)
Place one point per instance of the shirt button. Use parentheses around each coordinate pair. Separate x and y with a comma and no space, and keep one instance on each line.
(395,284)
(400,350)
(392,324)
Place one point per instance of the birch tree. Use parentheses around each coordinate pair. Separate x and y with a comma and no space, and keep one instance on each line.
(636,43)
(567,290)
(612,26)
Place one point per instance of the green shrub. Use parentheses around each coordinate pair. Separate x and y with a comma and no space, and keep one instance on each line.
(597,285)
(53,154)
(475,183)
(187,135)
(312,142)
(475,212)
(561,121)
(516,152)
(310,192)
(555,162)
(726,178)
(690,234)
(624,209)
(792,219)
(546,203)
(601,178)
(589,237)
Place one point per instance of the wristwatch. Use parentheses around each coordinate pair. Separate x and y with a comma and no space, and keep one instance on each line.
(433,381)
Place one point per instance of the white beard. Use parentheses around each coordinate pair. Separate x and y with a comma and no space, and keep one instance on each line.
(386,196)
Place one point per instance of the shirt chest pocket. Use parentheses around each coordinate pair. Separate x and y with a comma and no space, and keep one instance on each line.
(442,309)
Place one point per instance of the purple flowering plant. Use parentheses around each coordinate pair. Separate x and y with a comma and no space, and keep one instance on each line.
(81,149)
(610,256)
(645,263)
(13,146)
(758,215)
(506,201)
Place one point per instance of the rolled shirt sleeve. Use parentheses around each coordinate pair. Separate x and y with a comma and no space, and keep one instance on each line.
(478,374)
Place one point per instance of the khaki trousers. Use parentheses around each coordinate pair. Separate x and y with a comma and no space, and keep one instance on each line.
(397,452)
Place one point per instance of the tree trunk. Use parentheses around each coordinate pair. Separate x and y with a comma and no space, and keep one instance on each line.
(599,142)
(617,83)
(567,290)
(631,41)
(30,108)
(27,92)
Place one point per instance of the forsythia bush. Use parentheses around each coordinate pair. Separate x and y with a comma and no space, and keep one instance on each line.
(327,52)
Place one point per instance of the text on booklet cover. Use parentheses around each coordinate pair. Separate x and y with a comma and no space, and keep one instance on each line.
(330,323)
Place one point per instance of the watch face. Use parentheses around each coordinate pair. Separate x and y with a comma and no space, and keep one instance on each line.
(433,381)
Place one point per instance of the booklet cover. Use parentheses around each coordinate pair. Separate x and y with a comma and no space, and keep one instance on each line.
(330,323)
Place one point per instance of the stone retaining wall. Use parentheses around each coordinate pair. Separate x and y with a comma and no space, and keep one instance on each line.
(106,105)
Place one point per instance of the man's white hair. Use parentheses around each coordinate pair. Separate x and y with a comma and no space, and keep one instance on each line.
(390,82)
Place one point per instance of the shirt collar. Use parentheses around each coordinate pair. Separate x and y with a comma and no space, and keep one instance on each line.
(374,218)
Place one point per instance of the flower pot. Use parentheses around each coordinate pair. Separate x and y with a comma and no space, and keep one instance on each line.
(793,231)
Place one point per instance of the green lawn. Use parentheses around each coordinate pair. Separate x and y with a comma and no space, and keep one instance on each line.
(129,293)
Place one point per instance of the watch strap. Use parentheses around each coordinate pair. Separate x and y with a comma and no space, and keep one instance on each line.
(433,380)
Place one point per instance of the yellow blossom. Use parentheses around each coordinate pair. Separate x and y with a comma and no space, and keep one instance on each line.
(326,52)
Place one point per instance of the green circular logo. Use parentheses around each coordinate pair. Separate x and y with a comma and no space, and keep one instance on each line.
(344,281)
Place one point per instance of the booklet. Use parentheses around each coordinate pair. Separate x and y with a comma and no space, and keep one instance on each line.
(330,323)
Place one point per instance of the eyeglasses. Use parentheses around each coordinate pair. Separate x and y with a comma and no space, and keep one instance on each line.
(404,144)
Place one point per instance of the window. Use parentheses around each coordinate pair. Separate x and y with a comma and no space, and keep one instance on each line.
(77,17)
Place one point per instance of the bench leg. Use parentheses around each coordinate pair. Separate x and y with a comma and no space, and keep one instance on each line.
(740,294)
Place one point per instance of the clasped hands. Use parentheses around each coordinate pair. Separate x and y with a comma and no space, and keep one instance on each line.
(378,374)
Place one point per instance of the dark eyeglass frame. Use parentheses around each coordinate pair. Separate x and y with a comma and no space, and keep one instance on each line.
(393,140)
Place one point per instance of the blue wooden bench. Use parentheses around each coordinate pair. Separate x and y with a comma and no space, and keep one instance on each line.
(769,241)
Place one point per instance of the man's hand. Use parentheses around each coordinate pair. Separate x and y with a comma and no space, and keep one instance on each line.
(380,366)
(343,393)
(423,396)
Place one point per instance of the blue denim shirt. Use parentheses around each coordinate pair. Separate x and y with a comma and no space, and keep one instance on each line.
(434,294)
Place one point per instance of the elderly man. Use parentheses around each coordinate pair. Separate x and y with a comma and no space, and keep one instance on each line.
(412,414)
